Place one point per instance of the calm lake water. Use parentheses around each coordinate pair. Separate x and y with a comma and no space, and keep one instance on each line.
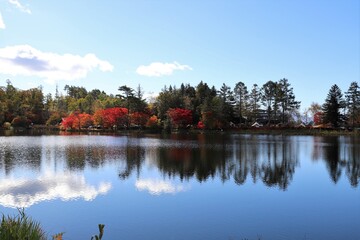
(218,186)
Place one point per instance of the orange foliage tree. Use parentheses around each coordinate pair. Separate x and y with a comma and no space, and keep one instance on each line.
(77,121)
(153,122)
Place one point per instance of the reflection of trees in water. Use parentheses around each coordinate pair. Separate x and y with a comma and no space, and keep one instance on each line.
(10,158)
(134,157)
(281,157)
(353,164)
(7,159)
(224,156)
(340,154)
(272,160)
(78,157)
(267,158)
(332,158)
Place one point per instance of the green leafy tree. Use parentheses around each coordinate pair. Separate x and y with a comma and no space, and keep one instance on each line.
(13,102)
(75,92)
(3,107)
(168,98)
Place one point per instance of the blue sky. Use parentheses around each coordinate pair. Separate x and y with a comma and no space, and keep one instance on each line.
(106,44)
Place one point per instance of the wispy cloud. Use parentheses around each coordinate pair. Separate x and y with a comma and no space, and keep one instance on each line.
(158,187)
(28,61)
(2,24)
(19,6)
(158,69)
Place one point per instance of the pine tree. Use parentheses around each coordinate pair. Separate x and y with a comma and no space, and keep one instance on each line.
(268,91)
(286,99)
(352,97)
(241,95)
(254,100)
(331,108)
(227,102)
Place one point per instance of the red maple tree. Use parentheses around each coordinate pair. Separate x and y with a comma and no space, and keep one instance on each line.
(180,117)
(318,118)
(111,117)
(139,118)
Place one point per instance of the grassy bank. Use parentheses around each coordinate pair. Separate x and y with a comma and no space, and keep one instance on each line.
(22,227)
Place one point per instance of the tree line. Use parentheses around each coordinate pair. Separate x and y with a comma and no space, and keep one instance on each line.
(200,106)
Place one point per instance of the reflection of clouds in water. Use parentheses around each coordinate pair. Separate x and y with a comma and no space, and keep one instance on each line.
(158,187)
(22,193)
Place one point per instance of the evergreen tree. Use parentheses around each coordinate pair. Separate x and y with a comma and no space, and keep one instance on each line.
(331,108)
(227,102)
(241,96)
(254,100)
(286,99)
(353,102)
(127,95)
(3,107)
(268,94)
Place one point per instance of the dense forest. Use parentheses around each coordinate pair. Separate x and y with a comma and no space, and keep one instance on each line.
(201,106)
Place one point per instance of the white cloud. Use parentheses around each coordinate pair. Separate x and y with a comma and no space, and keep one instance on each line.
(158,187)
(23,193)
(158,69)
(2,24)
(19,6)
(28,61)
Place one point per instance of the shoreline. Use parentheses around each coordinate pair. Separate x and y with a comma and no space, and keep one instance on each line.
(44,130)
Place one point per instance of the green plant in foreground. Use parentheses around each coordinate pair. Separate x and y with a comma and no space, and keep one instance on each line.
(101,233)
(20,227)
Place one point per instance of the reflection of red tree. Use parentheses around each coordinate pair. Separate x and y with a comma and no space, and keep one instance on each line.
(180,154)
(180,117)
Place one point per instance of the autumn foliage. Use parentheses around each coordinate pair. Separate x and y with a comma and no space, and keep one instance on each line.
(200,125)
(111,117)
(139,118)
(318,118)
(77,121)
(180,117)
(152,122)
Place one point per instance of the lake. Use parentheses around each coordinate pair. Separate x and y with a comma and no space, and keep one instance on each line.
(185,186)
